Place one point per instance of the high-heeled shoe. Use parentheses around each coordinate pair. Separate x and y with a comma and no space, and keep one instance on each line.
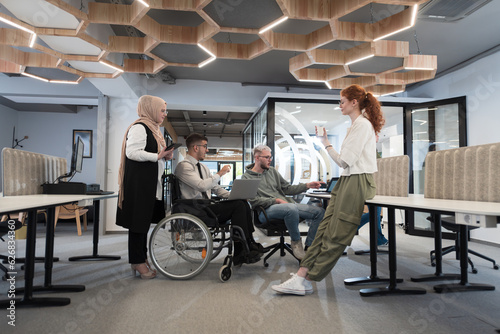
(151,268)
(142,267)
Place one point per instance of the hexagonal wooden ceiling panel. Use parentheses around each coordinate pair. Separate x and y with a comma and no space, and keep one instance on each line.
(332,42)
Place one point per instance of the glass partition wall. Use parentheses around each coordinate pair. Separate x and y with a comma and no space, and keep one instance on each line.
(288,127)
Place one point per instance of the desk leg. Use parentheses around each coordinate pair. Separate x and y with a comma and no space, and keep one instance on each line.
(373,278)
(49,255)
(392,287)
(28,299)
(464,285)
(438,249)
(94,255)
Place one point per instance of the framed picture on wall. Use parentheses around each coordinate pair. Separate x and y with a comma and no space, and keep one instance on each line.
(86,136)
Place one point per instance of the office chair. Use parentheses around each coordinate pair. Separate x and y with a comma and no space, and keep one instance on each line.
(274,226)
(72,211)
(4,229)
(449,224)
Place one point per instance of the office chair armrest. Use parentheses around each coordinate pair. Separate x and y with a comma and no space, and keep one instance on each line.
(260,209)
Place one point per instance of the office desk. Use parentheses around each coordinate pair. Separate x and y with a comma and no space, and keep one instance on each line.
(31,203)
(437,207)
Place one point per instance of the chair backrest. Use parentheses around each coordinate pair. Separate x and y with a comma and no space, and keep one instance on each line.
(470,173)
(392,178)
(175,190)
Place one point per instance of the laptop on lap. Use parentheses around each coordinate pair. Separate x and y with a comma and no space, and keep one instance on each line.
(244,189)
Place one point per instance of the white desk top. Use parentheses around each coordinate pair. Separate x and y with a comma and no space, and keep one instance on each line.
(27,202)
(442,205)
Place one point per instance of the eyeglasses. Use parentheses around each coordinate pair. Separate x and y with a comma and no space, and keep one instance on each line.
(205,146)
(267,157)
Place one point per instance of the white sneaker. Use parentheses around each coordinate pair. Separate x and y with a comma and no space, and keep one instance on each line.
(297,249)
(294,286)
(308,287)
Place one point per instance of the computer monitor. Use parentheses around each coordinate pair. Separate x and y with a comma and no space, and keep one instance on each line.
(76,160)
(77,156)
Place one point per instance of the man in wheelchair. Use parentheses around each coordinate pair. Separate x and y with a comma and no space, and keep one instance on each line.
(195,182)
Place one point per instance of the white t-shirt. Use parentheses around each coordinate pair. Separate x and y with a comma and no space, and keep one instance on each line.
(358,153)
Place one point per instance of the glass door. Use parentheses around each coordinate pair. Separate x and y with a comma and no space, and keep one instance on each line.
(435,126)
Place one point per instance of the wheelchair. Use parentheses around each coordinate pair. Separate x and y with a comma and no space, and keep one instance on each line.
(182,244)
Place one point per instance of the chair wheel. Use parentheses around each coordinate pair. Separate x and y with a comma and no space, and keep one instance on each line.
(433,264)
(495,267)
(267,265)
(474,271)
(225,273)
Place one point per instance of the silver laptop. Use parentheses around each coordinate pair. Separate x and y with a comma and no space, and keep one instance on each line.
(244,189)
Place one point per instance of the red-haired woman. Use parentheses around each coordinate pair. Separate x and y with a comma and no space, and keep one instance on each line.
(358,159)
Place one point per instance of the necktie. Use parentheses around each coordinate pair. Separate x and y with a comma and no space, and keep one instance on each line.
(204,194)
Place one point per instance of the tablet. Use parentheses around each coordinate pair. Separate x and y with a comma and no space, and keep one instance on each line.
(174,145)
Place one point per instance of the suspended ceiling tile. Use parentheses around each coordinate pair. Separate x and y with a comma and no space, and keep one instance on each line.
(175,17)
(41,14)
(91,67)
(71,45)
(242,14)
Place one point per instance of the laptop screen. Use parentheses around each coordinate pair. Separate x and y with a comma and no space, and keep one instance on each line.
(331,184)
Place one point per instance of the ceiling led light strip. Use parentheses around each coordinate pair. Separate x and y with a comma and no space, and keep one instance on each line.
(32,40)
(283,19)
(391,93)
(3,19)
(109,65)
(35,77)
(412,23)
(360,59)
(143,2)
(419,68)
(323,81)
(64,82)
(209,60)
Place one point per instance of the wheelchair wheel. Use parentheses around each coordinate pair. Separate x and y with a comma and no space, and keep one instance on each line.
(225,273)
(179,245)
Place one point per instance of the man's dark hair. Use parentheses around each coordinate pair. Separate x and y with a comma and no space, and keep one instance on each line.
(194,138)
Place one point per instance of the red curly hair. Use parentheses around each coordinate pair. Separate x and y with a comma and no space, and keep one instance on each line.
(367,102)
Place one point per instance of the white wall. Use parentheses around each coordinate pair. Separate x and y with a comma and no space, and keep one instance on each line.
(8,120)
(480,83)
(52,133)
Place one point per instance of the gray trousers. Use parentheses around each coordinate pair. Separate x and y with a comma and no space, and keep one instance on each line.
(339,225)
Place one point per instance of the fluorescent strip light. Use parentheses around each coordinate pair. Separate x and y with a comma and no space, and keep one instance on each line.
(16,25)
(113,67)
(413,20)
(32,40)
(360,59)
(414,15)
(419,68)
(143,2)
(311,80)
(206,50)
(209,60)
(283,19)
(328,85)
(34,77)
(396,92)
(64,82)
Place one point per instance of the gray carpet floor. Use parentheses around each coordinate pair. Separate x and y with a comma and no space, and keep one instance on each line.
(116,302)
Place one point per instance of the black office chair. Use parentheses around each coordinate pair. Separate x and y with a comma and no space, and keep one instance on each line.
(449,224)
(274,226)
(4,229)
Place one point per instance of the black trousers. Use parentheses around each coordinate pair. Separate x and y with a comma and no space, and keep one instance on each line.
(239,212)
(137,247)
